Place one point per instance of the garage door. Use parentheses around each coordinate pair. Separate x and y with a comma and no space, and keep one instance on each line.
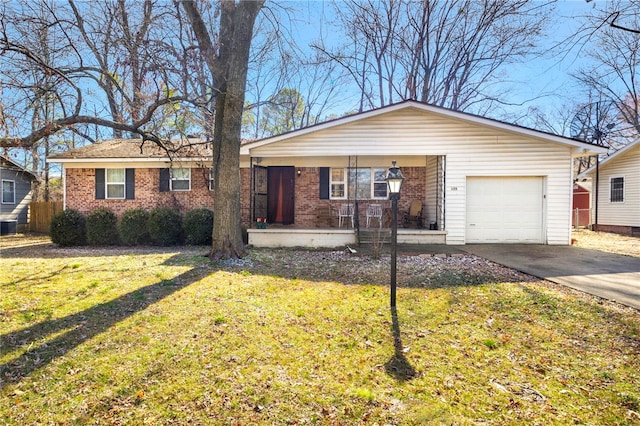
(504,210)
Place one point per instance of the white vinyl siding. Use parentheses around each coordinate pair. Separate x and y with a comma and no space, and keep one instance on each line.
(471,149)
(626,213)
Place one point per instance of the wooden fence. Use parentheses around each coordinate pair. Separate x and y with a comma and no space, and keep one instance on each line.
(41,213)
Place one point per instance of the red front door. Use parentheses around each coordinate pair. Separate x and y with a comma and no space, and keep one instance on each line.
(281,195)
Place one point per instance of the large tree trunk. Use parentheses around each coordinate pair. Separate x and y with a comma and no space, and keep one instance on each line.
(229,70)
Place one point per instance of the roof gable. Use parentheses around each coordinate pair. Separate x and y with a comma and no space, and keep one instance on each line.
(613,157)
(424,109)
(8,163)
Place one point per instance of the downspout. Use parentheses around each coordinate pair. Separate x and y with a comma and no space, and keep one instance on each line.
(64,187)
(252,193)
(597,191)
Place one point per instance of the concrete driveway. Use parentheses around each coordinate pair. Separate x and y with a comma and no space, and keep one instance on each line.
(611,276)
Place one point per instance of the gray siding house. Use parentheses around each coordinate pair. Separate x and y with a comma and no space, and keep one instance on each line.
(15,182)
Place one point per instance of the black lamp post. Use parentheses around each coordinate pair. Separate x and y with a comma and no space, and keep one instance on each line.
(394,182)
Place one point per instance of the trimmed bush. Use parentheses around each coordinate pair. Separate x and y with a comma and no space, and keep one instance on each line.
(68,228)
(165,226)
(102,227)
(198,226)
(133,227)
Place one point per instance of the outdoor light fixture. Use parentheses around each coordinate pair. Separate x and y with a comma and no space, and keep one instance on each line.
(394,181)
(299,172)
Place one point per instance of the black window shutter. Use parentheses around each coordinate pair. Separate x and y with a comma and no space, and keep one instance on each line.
(99,184)
(324,183)
(130,184)
(164,180)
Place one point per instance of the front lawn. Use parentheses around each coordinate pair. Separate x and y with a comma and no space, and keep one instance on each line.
(163,336)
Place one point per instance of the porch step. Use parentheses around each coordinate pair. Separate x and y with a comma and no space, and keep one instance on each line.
(375,235)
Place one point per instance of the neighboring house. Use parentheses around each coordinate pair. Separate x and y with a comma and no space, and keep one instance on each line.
(479,180)
(16,195)
(616,191)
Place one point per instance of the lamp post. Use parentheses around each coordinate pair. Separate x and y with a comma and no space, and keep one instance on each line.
(394,182)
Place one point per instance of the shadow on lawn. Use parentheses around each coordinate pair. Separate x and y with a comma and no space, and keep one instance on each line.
(398,366)
(80,327)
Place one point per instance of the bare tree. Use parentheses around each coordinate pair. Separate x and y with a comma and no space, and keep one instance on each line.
(99,54)
(228,63)
(144,61)
(447,53)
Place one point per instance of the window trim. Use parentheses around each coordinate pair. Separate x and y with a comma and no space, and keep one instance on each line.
(171,179)
(13,192)
(123,184)
(621,190)
(210,178)
(345,182)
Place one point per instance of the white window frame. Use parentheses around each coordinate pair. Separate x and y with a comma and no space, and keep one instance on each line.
(12,192)
(172,179)
(210,179)
(107,183)
(342,182)
(345,182)
(611,200)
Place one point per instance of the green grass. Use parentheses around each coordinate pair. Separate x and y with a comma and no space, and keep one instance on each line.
(165,337)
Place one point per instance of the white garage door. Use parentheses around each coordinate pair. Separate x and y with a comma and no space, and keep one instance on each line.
(504,209)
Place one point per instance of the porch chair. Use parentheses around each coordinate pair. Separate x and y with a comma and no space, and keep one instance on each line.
(346,210)
(414,214)
(374,211)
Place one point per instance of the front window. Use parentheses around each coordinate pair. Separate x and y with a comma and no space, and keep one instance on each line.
(364,183)
(8,192)
(616,193)
(337,184)
(115,182)
(180,179)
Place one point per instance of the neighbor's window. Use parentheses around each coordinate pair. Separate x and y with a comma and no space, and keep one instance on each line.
(210,179)
(115,182)
(616,194)
(8,192)
(338,184)
(180,179)
(365,183)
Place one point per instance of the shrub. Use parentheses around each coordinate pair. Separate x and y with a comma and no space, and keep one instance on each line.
(198,226)
(165,226)
(102,227)
(133,227)
(68,228)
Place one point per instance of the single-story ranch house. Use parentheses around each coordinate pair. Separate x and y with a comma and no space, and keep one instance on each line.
(477,180)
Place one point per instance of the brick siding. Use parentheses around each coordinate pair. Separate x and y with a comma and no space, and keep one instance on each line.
(310,210)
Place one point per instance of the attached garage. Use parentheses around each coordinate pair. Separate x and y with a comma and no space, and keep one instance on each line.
(505,209)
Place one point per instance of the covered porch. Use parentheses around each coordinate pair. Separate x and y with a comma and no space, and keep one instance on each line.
(301,201)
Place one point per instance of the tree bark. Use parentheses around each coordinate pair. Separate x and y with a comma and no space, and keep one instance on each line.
(229,69)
